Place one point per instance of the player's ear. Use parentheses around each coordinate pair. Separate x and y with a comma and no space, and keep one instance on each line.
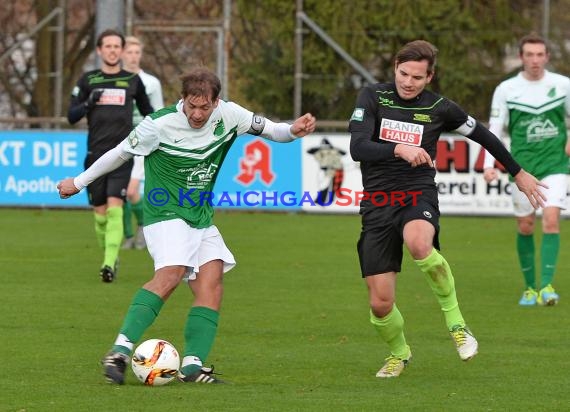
(430,76)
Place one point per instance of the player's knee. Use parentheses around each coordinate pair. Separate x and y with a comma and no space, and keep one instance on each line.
(166,280)
(131,196)
(381,308)
(525,226)
(550,225)
(419,249)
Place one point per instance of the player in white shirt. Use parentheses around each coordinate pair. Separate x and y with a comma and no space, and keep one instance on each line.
(131,59)
(534,105)
(184,147)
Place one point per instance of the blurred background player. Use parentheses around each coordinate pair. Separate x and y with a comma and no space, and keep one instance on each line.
(533,105)
(106,96)
(132,55)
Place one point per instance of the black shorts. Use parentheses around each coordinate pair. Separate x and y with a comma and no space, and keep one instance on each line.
(380,247)
(113,184)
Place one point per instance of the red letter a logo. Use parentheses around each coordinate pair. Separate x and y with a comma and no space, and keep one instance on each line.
(256,161)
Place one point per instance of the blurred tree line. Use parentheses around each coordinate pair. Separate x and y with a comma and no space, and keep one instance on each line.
(477,42)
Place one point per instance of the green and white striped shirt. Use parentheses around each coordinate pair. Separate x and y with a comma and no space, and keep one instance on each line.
(182,163)
(534,112)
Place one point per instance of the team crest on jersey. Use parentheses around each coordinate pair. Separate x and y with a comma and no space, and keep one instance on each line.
(401,132)
(551,92)
(219,128)
(357,114)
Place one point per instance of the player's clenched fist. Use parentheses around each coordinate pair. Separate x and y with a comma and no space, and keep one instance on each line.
(304,125)
(67,188)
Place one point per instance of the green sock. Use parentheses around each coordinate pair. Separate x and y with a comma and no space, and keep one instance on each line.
(199,333)
(113,235)
(391,330)
(439,276)
(100,226)
(549,256)
(525,250)
(138,211)
(144,309)
(127,220)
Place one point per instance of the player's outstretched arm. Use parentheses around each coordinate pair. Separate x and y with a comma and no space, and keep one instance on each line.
(286,132)
(531,187)
(110,161)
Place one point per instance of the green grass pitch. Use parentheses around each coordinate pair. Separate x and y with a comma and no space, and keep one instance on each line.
(294,332)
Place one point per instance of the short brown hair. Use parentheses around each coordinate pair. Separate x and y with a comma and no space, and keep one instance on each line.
(200,82)
(107,33)
(417,51)
(533,38)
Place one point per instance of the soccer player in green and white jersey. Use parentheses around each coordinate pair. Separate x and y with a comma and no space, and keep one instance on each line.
(184,147)
(533,105)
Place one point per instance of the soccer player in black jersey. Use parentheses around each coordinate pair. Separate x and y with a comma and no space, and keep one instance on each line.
(106,97)
(394,131)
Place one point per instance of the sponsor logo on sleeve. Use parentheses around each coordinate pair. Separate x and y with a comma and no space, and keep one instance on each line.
(357,114)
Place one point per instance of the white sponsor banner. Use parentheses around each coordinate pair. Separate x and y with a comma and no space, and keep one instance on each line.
(328,168)
(461,187)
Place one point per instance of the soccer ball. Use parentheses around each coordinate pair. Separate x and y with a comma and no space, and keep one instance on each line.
(155,362)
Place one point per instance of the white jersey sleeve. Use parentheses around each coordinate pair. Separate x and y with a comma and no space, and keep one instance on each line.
(143,139)
(567,102)
(499,111)
(110,161)
(155,94)
(153,89)
(258,125)
(497,120)
(240,116)
(278,132)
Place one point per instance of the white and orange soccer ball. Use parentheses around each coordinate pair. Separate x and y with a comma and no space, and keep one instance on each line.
(155,362)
